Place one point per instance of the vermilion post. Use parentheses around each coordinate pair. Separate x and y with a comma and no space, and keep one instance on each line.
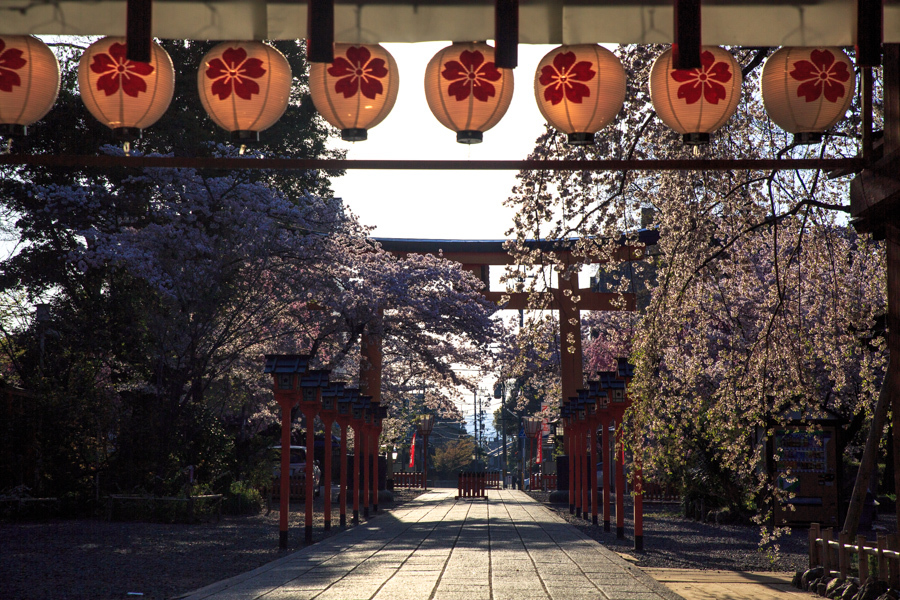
(367,457)
(579,467)
(593,472)
(285,479)
(607,470)
(326,476)
(357,438)
(343,489)
(376,437)
(620,482)
(570,449)
(638,505)
(310,492)
(586,472)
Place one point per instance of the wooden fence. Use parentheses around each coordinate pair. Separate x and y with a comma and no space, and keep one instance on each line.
(408,480)
(654,492)
(548,482)
(828,553)
(472,485)
(493,480)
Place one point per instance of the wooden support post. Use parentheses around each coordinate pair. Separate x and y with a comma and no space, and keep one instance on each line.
(320,34)
(827,534)
(862,560)
(893,542)
(138,30)
(882,559)
(607,473)
(843,554)
(813,545)
(686,49)
(310,463)
(356,459)
(326,475)
(595,454)
(620,482)
(285,479)
(638,505)
(343,489)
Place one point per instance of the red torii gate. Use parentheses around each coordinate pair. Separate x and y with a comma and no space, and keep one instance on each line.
(478,256)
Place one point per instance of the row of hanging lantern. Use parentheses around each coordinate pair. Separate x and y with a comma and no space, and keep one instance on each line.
(245,88)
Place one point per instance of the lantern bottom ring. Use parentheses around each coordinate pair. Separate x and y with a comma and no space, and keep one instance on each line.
(695,139)
(804,138)
(127,134)
(244,136)
(581,138)
(354,135)
(13,130)
(468,136)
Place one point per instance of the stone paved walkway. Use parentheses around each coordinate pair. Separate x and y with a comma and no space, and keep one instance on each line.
(437,548)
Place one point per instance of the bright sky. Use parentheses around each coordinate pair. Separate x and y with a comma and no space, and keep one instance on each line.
(440,204)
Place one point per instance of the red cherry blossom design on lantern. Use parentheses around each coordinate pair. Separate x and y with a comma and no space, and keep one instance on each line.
(359,71)
(235,71)
(705,82)
(10,61)
(470,74)
(562,79)
(115,70)
(822,74)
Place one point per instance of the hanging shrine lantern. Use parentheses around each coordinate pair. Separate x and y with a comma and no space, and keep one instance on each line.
(357,90)
(125,95)
(580,89)
(29,82)
(466,91)
(807,90)
(244,87)
(696,102)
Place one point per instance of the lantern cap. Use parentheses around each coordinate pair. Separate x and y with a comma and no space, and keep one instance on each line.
(695,139)
(286,363)
(581,138)
(245,137)
(315,378)
(804,138)
(469,136)
(13,130)
(127,134)
(354,135)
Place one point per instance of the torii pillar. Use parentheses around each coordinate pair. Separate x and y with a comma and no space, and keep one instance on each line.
(370,385)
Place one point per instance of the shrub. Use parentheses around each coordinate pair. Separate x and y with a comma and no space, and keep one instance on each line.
(242,499)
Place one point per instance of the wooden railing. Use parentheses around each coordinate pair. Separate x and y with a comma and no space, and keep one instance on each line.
(654,492)
(408,480)
(493,480)
(828,553)
(472,485)
(548,482)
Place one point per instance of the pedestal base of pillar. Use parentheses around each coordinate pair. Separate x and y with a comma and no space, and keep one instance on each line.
(606,526)
(571,509)
(356,517)
(282,540)
(343,520)
(307,535)
(366,512)
(620,533)
(374,508)
(595,519)
(578,512)
(327,525)
(639,543)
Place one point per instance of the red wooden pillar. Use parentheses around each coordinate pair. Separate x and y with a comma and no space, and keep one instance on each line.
(310,403)
(585,471)
(570,450)
(356,423)
(607,471)
(285,479)
(342,493)
(638,505)
(620,481)
(593,471)
(370,385)
(366,458)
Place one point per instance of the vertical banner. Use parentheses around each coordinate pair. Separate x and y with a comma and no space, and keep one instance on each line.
(412,452)
(540,452)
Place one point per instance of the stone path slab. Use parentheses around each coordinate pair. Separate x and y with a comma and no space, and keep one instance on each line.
(508,547)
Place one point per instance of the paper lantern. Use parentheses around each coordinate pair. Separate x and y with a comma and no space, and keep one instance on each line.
(466,91)
(125,95)
(580,89)
(29,82)
(807,90)
(357,90)
(244,87)
(696,102)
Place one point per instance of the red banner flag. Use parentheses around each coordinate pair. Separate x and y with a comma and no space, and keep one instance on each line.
(412,452)
(540,456)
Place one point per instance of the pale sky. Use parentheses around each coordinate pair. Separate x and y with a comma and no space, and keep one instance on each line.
(440,204)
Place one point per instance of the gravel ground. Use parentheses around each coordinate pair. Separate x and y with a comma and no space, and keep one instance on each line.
(674,542)
(91,559)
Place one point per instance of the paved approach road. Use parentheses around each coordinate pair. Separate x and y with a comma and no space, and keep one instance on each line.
(507,547)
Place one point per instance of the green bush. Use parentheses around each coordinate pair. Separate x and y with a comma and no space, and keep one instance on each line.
(242,499)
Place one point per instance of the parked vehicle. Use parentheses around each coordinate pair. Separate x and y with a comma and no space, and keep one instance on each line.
(297,471)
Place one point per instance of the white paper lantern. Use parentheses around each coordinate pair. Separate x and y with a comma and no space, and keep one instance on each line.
(125,95)
(29,82)
(807,90)
(466,91)
(357,90)
(696,102)
(580,89)
(244,87)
